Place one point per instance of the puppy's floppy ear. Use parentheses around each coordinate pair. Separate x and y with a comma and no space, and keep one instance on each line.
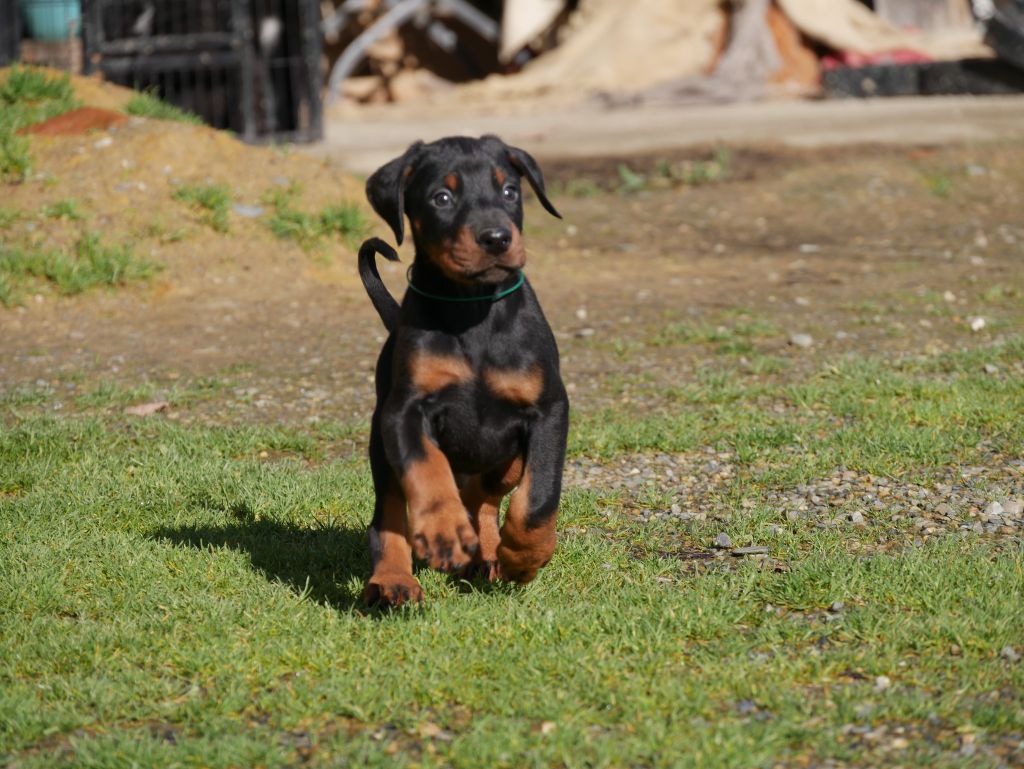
(385,190)
(524,163)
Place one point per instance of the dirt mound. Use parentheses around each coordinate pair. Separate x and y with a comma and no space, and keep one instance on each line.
(125,175)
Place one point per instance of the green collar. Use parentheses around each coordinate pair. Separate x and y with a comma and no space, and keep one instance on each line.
(492,298)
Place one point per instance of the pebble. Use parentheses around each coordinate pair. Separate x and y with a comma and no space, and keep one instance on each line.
(977,324)
(249,212)
(836,607)
(746,707)
(994,508)
(856,518)
(583,333)
(801,340)
(103,143)
(1012,507)
(1009,654)
(723,541)
(882,683)
(991,368)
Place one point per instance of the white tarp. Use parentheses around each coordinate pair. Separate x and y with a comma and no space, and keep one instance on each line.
(846,25)
(611,45)
(523,20)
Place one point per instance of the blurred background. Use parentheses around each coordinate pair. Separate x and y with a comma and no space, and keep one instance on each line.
(303,70)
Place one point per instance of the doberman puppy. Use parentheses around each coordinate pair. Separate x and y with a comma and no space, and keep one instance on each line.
(470,402)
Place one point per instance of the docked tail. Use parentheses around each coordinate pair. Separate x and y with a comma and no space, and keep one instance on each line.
(383,302)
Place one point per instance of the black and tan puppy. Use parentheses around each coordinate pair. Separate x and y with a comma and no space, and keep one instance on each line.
(470,402)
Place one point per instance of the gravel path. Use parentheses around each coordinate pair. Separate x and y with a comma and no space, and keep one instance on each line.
(986,498)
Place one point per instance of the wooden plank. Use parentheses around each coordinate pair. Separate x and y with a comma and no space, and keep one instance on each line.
(926,14)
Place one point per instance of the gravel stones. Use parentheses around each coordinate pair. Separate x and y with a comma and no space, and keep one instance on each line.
(723,541)
(985,499)
(801,340)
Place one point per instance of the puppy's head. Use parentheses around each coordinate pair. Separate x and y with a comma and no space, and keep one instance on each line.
(464,199)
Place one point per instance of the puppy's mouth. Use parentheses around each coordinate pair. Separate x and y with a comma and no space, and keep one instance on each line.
(495,273)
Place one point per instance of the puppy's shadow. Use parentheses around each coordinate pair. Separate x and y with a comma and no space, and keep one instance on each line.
(315,562)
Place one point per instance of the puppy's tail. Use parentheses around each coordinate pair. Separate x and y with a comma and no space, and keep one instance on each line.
(383,302)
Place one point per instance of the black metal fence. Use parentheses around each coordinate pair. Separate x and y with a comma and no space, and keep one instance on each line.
(10,32)
(250,66)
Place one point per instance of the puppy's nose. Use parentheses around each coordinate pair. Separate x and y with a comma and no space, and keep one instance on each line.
(495,240)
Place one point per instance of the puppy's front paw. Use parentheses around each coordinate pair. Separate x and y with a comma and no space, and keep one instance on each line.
(520,558)
(444,538)
(392,589)
(482,569)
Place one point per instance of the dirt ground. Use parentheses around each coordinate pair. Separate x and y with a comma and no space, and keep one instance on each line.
(871,249)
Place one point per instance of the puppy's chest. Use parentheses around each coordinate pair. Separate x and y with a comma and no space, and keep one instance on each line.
(479,413)
(484,381)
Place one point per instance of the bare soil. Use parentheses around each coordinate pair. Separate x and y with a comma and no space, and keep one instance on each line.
(870,250)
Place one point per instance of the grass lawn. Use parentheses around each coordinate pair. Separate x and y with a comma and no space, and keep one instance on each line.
(179,594)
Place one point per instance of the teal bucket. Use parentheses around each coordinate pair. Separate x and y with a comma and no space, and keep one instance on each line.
(52,19)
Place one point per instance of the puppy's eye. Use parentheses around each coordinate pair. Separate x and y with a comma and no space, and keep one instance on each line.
(443,199)
(510,193)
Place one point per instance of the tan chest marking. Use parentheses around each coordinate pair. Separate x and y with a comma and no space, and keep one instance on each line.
(519,387)
(431,373)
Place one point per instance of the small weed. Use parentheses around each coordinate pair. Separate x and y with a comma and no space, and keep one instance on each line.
(214,200)
(939,183)
(697,172)
(9,217)
(1000,294)
(344,219)
(686,173)
(8,297)
(64,209)
(630,180)
(27,96)
(735,338)
(292,224)
(158,230)
(582,188)
(148,104)
(15,160)
(308,230)
(92,264)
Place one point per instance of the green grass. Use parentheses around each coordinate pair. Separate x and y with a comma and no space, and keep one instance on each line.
(212,200)
(27,96)
(940,182)
(288,222)
(148,104)
(92,263)
(733,337)
(182,594)
(879,417)
(173,599)
(9,217)
(64,209)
